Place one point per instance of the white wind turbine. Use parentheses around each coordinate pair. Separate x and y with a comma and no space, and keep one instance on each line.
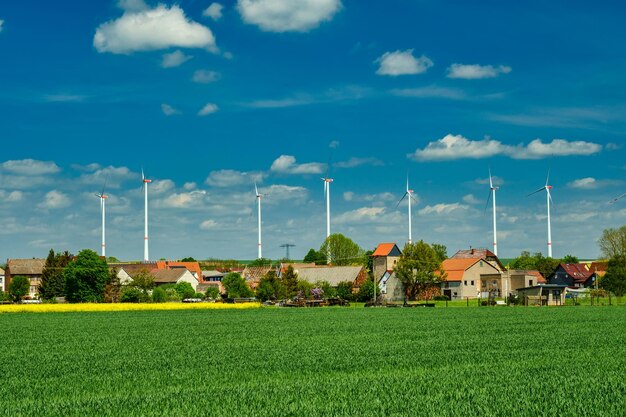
(103,198)
(547,187)
(259,196)
(409,194)
(327,182)
(145,182)
(492,193)
(616,199)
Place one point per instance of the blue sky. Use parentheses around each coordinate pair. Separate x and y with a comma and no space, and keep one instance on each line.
(210,96)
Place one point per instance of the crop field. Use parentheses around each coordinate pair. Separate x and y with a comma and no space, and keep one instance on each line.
(566,361)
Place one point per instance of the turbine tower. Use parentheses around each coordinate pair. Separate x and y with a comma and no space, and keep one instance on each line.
(258,198)
(492,193)
(327,182)
(547,187)
(103,198)
(409,194)
(145,181)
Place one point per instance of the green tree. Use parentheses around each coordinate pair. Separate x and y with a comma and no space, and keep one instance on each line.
(133,295)
(316,257)
(417,268)
(143,280)
(366,291)
(441,251)
(212,292)
(19,287)
(113,288)
(368,261)
(329,290)
(546,266)
(341,250)
(159,295)
(270,287)
(188,259)
(613,242)
(289,279)
(303,288)
(86,277)
(615,278)
(52,282)
(570,259)
(261,262)
(344,290)
(524,262)
(185,290)
(112,259)
(236,286)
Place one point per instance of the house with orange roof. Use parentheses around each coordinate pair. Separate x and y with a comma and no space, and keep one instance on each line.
(386,256)
(470,278)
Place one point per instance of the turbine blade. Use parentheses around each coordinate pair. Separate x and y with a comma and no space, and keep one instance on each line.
(256,190)
(617,198)
(549,196)
(535,192)
(400,201)
(488,200)
(548,177)
(490,180)
(407,183)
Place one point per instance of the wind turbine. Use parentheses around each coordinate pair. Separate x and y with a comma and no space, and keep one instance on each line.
(616,199)
(258,198)
(409,194)
(145,182)
(327,182)
(547,187)
(492,192)
(103,198)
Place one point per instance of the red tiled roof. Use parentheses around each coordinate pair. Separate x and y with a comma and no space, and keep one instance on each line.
(580,272)
(540,278)
(383,249)
(455,268)
(599,266)
(477,253)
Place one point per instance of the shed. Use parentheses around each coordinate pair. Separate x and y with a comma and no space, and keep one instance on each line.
(543,294)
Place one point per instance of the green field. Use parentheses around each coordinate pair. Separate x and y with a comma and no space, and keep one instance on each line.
(332,361)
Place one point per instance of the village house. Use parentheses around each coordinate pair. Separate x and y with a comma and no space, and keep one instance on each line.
(543,294)
(161,276)
(356,275)
(573,275)
(211,278)
(2,288)
(470,278)
(30,268)
(386,256)
(253,275)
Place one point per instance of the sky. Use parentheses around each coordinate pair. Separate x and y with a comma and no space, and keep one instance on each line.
(211,97)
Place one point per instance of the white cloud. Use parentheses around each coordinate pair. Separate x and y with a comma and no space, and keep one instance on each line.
(443,208)
(161,186)
(64,98)
(55,200)
(590,183)
(11,197)
(286,164)
(363,214)
(1,24)
(376,198)
(113,176)
(190,186)
(474,72)
(471,199)
(278,192)
(230,178)
(402,63)
(208,108)
(214,11)
(208,224)
(30,167)
(497,181)
(205,76)
(175,59)
(152,29)
(356,162)
(334,144)
(431,92)
(169,110)
(287,15)
(183,200)
(453,147)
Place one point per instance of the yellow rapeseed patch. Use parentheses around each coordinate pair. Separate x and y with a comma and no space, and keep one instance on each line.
(89,307)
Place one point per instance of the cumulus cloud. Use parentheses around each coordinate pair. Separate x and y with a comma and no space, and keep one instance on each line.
(183,200)
(169,110)
(161,186)
(152,29)
(30,167)
(208,108)
(453,147)
(175,59)
(431,92)
(287,164)
(205,76)
(55,200)
(471,199)
(287,16)
(214,11)
(11,197)
(443,208)
(590,183)
(474,72)
(363,214)
(379,197)
(113,176)
(402,63)
(208,224)
(230,178)
(357,162)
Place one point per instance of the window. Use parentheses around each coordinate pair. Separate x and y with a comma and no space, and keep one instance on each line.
(472,282)
(530,282)
(464,282)
(481,264)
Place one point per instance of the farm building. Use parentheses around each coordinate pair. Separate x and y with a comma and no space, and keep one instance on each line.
(543,294)
(573,275)
(161,276)
(211,277)
(390,287)
(470,277)
(253,275)
(356,275)
(31,268)
(386,256)
(599,268)
(476,253)
(2,288)
(295,265)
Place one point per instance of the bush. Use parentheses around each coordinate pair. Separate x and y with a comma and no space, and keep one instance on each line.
(4,296)
(159,295)
(366,292)
(344,291)
(304,288)
(199,295)
(185,290)
(212,292)
(441,298)
(236,286)
(488,303)
(329,290)
(133,295)
(19,288)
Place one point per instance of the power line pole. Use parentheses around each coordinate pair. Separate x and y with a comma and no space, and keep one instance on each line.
(287,246)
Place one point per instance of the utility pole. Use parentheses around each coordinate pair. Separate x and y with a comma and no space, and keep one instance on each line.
(287,246)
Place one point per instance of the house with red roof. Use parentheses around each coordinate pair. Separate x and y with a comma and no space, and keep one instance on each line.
(386,256)
(470,278)
(573,275)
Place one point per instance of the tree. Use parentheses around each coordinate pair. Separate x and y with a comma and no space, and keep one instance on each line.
(113,288)
(188,259)
(236,286)
(441,251)
(289,280)
(366,291)
(341,250)
(19,287)
(329,290)
(212,292)
(270,287)
(52,282)
(143,280)
(524,262)
(570,259)
(261,262)
(344,290)
(159,295)
(86,277)
(185,290)
(615,278)
(546,266)
(316,257)
(417,268)
(613,242)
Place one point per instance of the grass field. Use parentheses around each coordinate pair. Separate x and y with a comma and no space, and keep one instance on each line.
(300,362)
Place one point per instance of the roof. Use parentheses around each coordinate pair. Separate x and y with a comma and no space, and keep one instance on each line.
(255,273)
(133,269)
(213,273)
(532,272)
(1,271)
(163,276)
(599,266)
(455,267)
(579,272)
(477,254)
(387,249)
(193,267)
(25,266)
(332,274)
(547,286)
(295,265)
